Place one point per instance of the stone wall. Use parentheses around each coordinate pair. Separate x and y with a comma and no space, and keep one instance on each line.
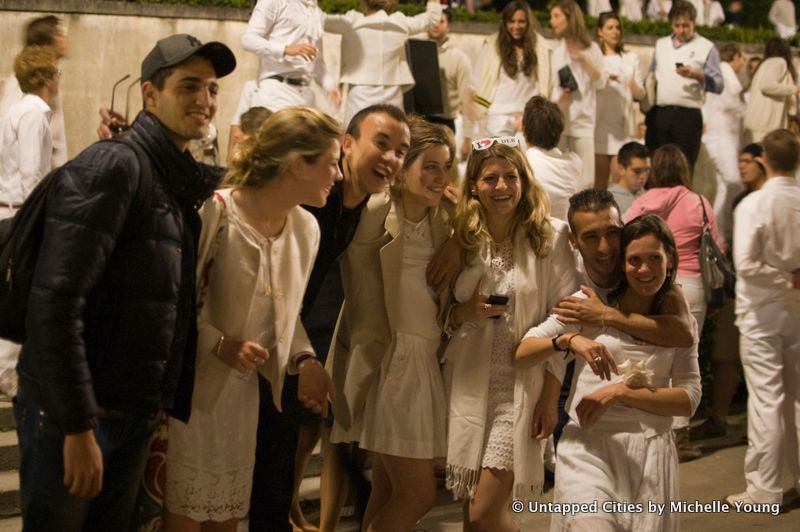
(108,39)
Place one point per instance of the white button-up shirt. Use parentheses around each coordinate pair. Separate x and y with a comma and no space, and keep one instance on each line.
(766,244)
(26,148)
(276,24)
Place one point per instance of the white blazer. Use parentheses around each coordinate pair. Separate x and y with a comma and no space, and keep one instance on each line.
(374,46)
(231,285)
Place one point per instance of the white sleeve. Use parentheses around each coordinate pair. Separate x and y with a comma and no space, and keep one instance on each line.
(35,149)
(686,374)
(256,36)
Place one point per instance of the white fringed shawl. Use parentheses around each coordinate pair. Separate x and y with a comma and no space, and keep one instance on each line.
(540,283)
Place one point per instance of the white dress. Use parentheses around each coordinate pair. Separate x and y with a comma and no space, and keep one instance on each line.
(628,455)
(499,437)
(511,96)
(613,102)
(406,409)
(210,460)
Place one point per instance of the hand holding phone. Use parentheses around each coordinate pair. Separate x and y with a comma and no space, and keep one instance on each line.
(496,299)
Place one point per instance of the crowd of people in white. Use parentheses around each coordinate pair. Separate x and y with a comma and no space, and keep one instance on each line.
(437,307)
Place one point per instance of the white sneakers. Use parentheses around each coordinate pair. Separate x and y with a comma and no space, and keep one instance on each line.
(742,498)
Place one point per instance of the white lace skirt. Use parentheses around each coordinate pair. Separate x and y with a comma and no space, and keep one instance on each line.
(406,410)
(625,468)
(210,460)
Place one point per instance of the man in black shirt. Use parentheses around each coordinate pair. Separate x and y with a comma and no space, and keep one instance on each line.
(374,148)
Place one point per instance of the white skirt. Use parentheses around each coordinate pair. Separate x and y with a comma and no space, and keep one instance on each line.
(406,410)
(210,460)
(624,470)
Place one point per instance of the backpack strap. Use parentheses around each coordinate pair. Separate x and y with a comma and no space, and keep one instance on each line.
(145,168)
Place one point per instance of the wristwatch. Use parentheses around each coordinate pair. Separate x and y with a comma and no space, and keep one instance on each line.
(557,349)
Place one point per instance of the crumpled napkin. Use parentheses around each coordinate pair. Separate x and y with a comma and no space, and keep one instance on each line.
(635,375)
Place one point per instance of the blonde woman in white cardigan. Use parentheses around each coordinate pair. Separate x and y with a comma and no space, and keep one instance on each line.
(513,66)
(772,93)
(374,64)
(617,449)
(257,248)
(386,357)
(513,250)
(616,116)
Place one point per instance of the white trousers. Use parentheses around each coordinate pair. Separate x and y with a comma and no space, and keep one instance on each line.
(9,351)
(695,295)
(276,95)
(584,147)
(770,351)
(362,96)
(724,154)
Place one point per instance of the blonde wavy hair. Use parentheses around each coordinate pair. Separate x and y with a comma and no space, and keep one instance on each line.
(532,214)
(287,134)
(34,67)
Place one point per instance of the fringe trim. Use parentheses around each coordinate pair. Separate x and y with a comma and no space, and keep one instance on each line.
(462,481)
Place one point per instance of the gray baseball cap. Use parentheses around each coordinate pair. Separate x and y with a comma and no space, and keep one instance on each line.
(174,49)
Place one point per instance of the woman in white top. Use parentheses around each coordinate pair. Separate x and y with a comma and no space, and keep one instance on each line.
(390,325)
(374,64)
(256,251)
(617,449)
(576,59)
(772,93)
(616,116)
(513,66)
(521,257)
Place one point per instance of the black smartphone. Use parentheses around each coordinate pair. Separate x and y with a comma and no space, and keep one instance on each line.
(678,65)
(495,299)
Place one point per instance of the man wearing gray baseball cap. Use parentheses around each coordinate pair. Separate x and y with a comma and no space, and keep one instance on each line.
(111,329)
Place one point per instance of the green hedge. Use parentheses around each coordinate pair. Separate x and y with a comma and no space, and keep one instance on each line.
(757,30)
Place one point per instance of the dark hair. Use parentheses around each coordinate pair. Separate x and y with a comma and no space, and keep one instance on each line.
(681,8)
(542,123)
(670,168)
(604,17)
(42,31)
(448,14)
(649,224)
(755,149)
(252,119)
(728,51)
(505,44)
(782,150)
(632,150)
(590,200)
(777,47)
(159,77)
(354,127)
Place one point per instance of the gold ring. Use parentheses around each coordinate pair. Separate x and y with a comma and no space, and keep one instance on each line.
(487,306)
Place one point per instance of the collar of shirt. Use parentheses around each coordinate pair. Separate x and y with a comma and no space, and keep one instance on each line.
(40,103)
(677,44)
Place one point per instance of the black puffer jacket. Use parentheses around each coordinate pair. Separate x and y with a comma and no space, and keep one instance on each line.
(111,319)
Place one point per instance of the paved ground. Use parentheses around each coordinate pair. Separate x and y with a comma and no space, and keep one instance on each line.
(718,473)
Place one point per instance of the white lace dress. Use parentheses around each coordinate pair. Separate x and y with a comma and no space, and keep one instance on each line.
(210,460)
(499,440)
(405,413)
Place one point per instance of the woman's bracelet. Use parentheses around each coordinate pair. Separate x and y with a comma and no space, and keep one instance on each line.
(569,342)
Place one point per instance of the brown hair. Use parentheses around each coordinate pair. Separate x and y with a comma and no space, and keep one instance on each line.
(781,151)
(505,44)
(576,28)
(287,134)
(670,168)
(680,8)
(34,67)
(252,119)
(542,123)
(42,31)
(728,51)
(372,6)
(650,224)
(604,17)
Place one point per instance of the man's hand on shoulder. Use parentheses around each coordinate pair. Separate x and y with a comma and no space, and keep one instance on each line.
(577,310)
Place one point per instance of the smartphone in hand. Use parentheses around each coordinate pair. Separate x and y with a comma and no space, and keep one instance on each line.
(496,299)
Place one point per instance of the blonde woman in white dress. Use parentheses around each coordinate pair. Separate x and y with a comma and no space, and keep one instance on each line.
(617,449)
(389,324)
(512,249)
(256,250)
